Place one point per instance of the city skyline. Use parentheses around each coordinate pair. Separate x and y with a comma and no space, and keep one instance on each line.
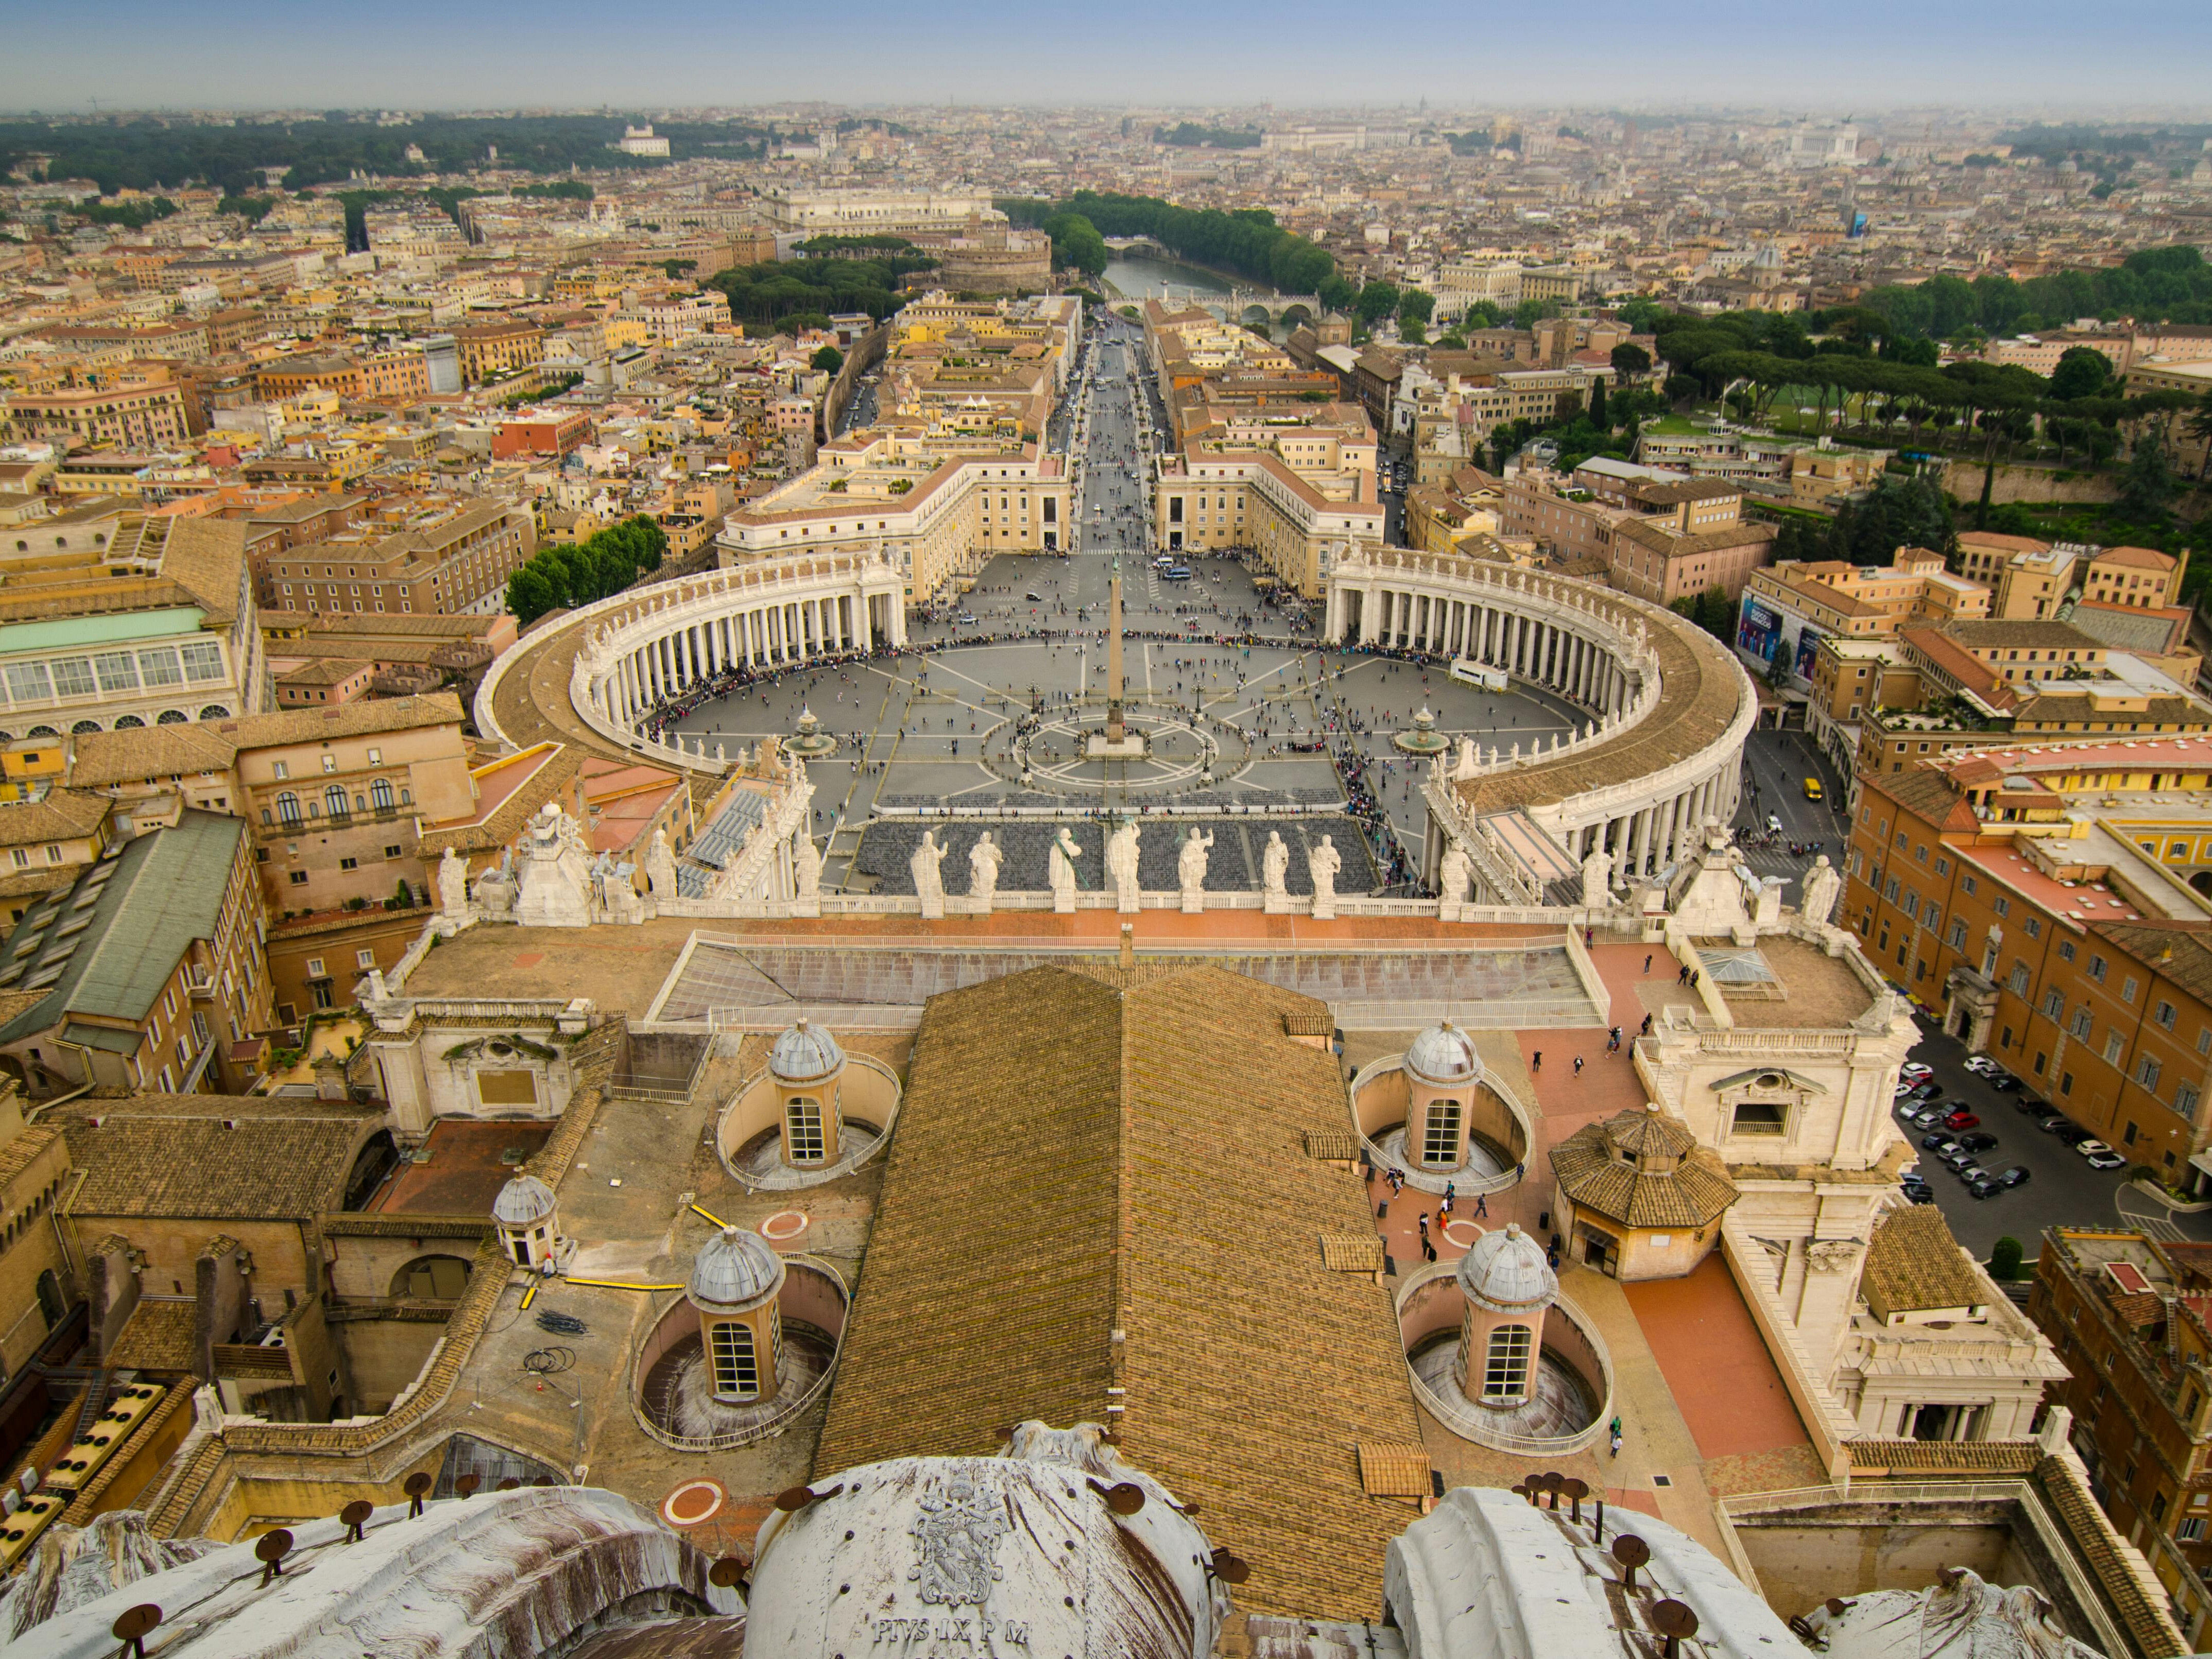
(1973,55)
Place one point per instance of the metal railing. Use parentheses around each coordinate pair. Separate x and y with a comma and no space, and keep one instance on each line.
(787,1407)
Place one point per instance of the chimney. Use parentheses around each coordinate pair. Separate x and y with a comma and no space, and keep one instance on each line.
(1128,945)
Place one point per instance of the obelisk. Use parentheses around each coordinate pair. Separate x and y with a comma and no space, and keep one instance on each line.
(1116,730)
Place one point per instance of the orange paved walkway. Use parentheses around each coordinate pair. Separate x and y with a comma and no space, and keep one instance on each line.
(1724,1384)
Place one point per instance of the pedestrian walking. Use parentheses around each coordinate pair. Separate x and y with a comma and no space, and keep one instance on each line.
(1614,1432)
(1647,962)
(1682,974)
(1481,1207)
(1588,935)
(1578,1065)
(1537,1064)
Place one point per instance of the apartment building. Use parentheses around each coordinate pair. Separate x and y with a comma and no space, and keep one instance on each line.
(2127,1315)
(1849,679)
(935,513)
(433,555)
(137,414)
(158,627)
(2046,903)
(2140,578)
(142,973)
(1303,505)
(2184,366)
(38,1282)
(1788,611)
(2028,580)
(488,350)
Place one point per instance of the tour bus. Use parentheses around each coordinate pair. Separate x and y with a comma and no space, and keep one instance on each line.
(1467,672)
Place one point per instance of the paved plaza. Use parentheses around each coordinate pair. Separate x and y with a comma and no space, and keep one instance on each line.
(993,708)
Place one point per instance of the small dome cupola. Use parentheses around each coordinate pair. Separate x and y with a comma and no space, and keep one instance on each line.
(527,1216)
(735,1280)
(806,1053)
(1443,1057)
(522,1202)
(1507,1273)
(735,1271)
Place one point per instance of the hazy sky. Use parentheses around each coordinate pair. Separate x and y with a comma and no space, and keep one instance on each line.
(421,55)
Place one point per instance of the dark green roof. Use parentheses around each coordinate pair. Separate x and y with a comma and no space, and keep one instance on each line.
(105,945)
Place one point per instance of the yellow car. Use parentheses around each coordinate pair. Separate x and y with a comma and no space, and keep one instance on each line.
(1811,789)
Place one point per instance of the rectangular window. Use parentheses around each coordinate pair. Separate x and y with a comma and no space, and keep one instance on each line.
(1958,934)
(202,660)
(349,863)
(1968,882)
(2020,979)
(2127,990)
(2189,1529)
(2054,1005)
(2081,1024)
(1505,1368)
(737,1366)
(29,682)
(297,877)
(803,1129)
(2184,1098)
(115,671)
(2035,927)
(2003,906)
(2066,949)
(73,676)
(1440,1134)
(1761,1118)
(2164,1015)
(159,667)
(2097,969)
(2115,1046)
(2147,1073)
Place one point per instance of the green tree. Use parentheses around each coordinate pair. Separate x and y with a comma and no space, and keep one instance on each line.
(2148,487)
(2005,1257)
(828,359)
(1377,300)
(2081,372)
(530,593)
(1415,306)
(2199,426)
(1631,361)
(1597,407)
(1337,294)
(1076,244)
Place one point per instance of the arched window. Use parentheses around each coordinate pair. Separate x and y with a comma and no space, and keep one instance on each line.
(380,793)
(334,801)
(215,711)
(83,727)
(736,1369)
(1440,1133)
(172,717)
(288,807)
(1505,1367)
(129,723)
(803,1129)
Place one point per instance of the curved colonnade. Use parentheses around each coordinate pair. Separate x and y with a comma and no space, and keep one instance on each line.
(641,648)
(1669,708)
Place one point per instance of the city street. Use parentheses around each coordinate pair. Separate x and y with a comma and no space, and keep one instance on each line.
(2062,1190)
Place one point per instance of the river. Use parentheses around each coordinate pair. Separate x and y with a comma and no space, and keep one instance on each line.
(1141,278)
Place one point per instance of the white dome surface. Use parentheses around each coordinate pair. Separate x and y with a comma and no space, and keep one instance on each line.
(524,1201)
(737,1270)
(1443,1054)
(805,1053)
(1507,1272)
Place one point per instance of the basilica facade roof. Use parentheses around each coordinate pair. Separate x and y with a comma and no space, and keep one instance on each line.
(1068,1210)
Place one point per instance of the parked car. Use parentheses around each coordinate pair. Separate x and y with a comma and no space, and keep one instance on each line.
(1937,1141)
(1986,1185)
(1914,1072)
(1920,1194)
(1927,1091)
(2005,1084)
(2090,1148)
(1812,787)
(1978,1141)
(1956,1159)
(2108,1159)
(1970,1173)
(2068,1134)
(2017,1176)
(2029,1106)
(1962,1119)
(1034,599)
(1983,1065)
(1929,1117)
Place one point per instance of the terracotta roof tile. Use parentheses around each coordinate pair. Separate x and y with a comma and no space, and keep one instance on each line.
(1914,1264)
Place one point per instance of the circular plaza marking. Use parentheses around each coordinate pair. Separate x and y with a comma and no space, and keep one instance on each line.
(785,1224)
(692,1503)
(1451,1233)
